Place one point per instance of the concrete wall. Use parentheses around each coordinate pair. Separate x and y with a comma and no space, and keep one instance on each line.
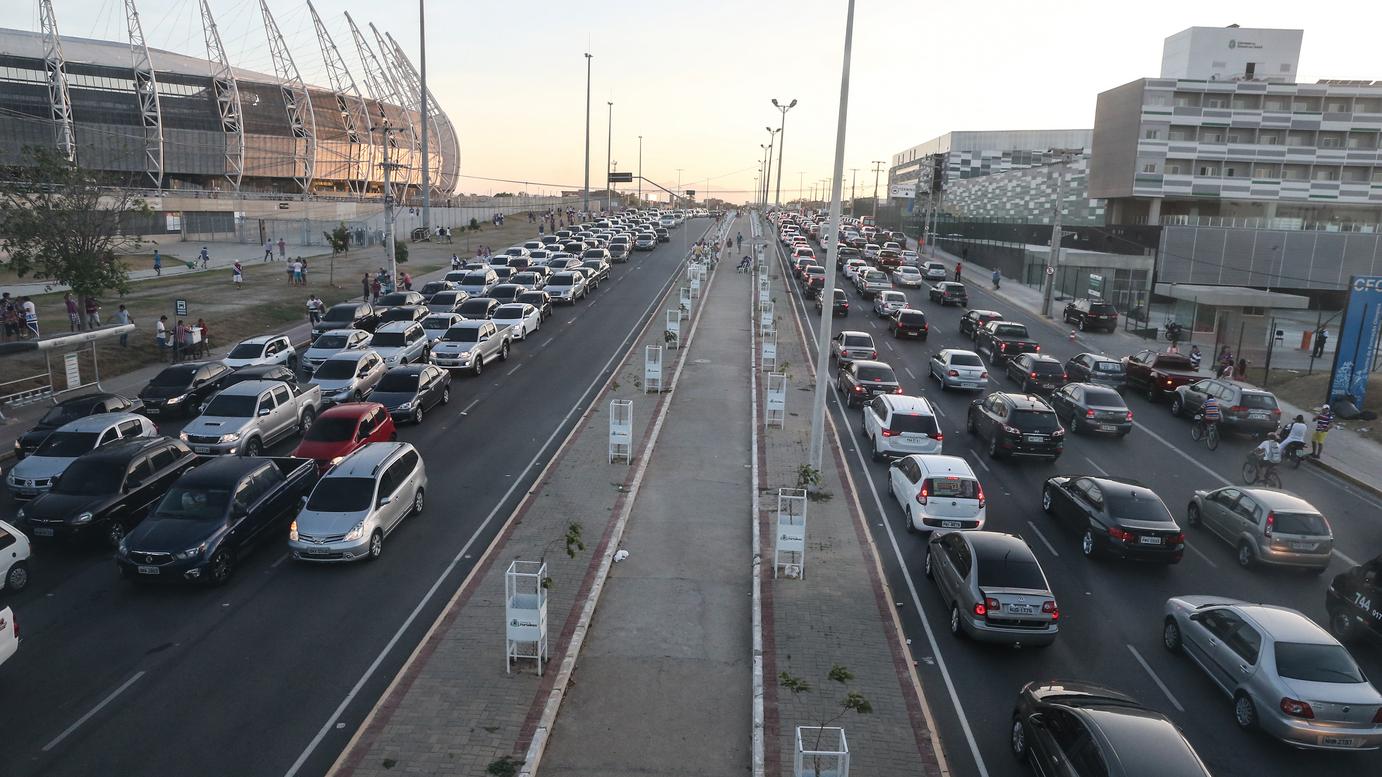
(1117,119)
(1280,259)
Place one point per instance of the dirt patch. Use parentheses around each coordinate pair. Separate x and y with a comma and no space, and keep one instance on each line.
(1307,391)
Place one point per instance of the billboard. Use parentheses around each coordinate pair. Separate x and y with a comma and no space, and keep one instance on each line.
(1357,341)
(905,191)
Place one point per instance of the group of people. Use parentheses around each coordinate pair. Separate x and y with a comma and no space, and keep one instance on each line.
(183,341)
(269,250)
(20,317)
(443,233)
(1291,437)
(83,315)
(372,288)
(297,272)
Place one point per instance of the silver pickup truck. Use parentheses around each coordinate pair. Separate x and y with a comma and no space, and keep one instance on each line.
(250,416)
(470,345)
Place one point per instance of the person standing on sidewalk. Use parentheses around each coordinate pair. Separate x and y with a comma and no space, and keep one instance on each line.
(364,287)
(161,337)
(282,250)
(1321,337)
(204,343)
(180,340)
(74,319)
(1324,421)
(9,316)
(268,251)
(1195,356)
(158,264)
(93,313)
(237,274)
(30,316)
(122,317)
(205,257)
(375,288)
(958,268)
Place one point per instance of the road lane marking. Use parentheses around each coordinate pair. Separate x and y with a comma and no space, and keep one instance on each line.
(516,369)
(1044,541)
(1101,470)
(546,342)
(1155,679)
(910,374)
(982,463)
(90,714)
(466,410)
(280,560)
(1201,554)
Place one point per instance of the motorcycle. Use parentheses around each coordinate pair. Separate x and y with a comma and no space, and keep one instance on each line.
(1292,454)
(1174,332)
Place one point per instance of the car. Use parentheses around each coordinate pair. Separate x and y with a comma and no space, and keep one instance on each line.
(645,241)
(1093,409)
(470,345)
(533,245)
(504,293)
(860,380)
(36,473)
(14,567)
(358,503)
(1264,526)
(600,268)
(870,282)
(400,299)
(933,271)
(898,425)
(529,280)
(107,491)
(347,315)
(907,276)
(1016,425)
(955,368)
(448,301)
(1287,676)
(1354,602)
(840,305)
(1159,373)
(803,252)
(409,392)
(266,349)
(852,266)
(590,274)
(328,343)
(1242,408)
(887,303)
(1091,314)
(1114,517)
(619,249)
(9,634)
(478,308)
(994,586)
(559,263)
(477,283)
(907,322)
(520,318)
(70,410)
(342,429)
(538,299)
(432,288)
(248,417)
(349,376)
(949,293)
(600,254)
(517,251)
(1061,728)
(800,264)
(406,314)
(1097,369)
(1035,373)
(539,257)
(663,236)
(911,259)
(937,493)
(212,517)
(435,325)
(401,342)
(974,320)
(852,344)
(181,388)
(567,286)
(871,250)
(889,259)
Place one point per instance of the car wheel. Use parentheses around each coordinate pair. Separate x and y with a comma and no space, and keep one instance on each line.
(418,501)
(115,532)
(1087,544)
(956,626)
(1017,740)
(993,447)
(1192,515)
(1342,626)
(253,447)
(969,424)
(504,352)
(1084,324)
(877,454)
(221,568)
(926,570)
(18,577)
(305,423)
(1245,556)
(1074,423)
(912,529)
(479,366)
(1170,635)
(376,544)
(1151,394)
(357,396)
(1244,711)
(1177,406)
(1046,499)
(417,414)
(446,395)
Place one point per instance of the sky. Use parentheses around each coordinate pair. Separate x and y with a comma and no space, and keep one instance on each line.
(696,80)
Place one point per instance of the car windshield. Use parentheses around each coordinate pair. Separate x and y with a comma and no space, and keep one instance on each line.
(331,340)
(1046,368)
(1111,368)
(874,276)
(67,445)
(340,314)
(398,314)
(476,278)
(232,406)
(908,271)
(876,375)
(1137,507)
(525,277)
(190,503)
(915,423)
(342,495)
(90,478)
(953,487)
(457,334)
(1103,398)
(1312,524)
(1011,570)
(1317,663)
(891,296)
(504,314)
(389,300)
(965,360)
(1036,421)
(531,298)
(562,280)
(1258,401)
(1102,308)
(174,377)
(858,341)
(388,340)
(398,383)
(61,414)
(336,369)
(1010,330)
(331,430)
(437,322)
(1171,362)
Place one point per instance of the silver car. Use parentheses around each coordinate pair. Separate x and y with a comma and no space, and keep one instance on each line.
(994,586)
(401,342)
(886,303)
(1265,526)
(870,282)
(955,368)
(331,343)
(349,376)
(1285,673)
(908,276)
(358,503)
(34,474)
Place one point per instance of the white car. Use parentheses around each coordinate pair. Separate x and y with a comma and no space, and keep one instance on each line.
(9,634)
(400,342)
(333,342)
(933,271)
(937,492)
(853,266)
(14,560)
(34,474)
(907,276)
(435,325)
(520,318)
(898,425)
(263,350)
(886,303)
(871,250)
(910,257)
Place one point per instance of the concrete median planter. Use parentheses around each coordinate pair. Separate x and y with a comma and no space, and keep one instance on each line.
(821,751)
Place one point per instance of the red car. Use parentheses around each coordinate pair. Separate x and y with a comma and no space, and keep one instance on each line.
(342,429)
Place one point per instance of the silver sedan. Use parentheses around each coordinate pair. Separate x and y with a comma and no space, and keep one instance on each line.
(1285,674)
(955,368)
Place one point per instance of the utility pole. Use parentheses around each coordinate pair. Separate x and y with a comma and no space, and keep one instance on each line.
(1053,261)
(877,168)
(801,184)
(768,174)
(677,196)
(760,193)
(640,171)
(777,198)
(388,167)
(609,157)
(426,171)
(853,175)
(586,206)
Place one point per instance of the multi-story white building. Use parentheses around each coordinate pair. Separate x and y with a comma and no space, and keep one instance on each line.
(967,154)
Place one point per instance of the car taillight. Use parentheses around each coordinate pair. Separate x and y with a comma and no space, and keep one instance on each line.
(874,355)
(1270,525)
(858,389)
(921,495)
(889,433)
(1038,348)
(1002,346)
(1296,708)
(1178,539)
(980,609)
(1378,717)
(897,390)
(1168,381)
(992,604)
(1034,375)
(984,375)
(1129,415)
(953,373)
(1238,409)
(1089,413)
(938,436)
(926,327)
(1121,534)
(1064,377)
(981,496)
(1051,609)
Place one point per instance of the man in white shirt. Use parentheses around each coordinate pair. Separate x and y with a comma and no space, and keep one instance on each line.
(1295,436)
(1269,451)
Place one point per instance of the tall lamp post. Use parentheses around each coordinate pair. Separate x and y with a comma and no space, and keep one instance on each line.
(609,157)
(640,171)
(426,171)
(777,198)
(586,202)
(768,170)
(877,167)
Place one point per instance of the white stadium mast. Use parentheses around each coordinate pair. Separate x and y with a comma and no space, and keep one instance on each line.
(302,122)
(380,91)
(351,106)
(447,168)
(399,91)
(227,99)
(59,104)
(146,89)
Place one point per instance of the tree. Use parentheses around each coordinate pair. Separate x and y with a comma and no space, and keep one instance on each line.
(853,701)
(58,222)
(400,251)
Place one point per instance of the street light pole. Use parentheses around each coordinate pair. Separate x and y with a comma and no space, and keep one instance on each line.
(609,156)
(777,198)
(877,167)
(1054,257)
(817,443)
(640,171)
(853,175)
(426,172)
(768,174)
(586,202)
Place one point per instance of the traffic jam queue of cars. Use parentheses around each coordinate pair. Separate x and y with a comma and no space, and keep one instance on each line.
(97,469)
(1284,674)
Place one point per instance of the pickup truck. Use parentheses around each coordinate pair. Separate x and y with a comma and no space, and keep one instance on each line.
(470,345)
(1004,340)
(9,634)
(248,417)
(1157,373)
(213,516)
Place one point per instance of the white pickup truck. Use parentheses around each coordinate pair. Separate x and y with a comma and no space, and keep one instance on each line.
(9,634)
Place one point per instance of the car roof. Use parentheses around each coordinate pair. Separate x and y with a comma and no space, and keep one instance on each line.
(1123,487)
(977,312)
(470,323)
(364,462)
(349,410)
(1285,625)
(251,387)
(406,369)
(220,468)
(858,363)
(991,545)
(124,449)
(1280,500)
(353,356)
(396,326)
(88,399)
(259,340)
(1039,357)
(902,403)
(1139,742)
(850,332)
(98,422)
(937,463)
(1026,401)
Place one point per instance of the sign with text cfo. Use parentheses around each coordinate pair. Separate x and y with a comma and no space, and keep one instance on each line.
(1357,341)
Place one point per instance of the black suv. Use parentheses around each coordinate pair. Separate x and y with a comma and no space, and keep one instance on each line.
(863,379)
(399,299)
(909,322)
(404,313)
(1091,314)
(974,320)
(348,315)
(182,388)
(1036,373)
(103,494)
(70,410)
(949,293)
(1016,425)
(841,306)
(1354,602)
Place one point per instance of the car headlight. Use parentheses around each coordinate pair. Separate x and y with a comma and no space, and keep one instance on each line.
(232,437)
(341,396)
(124,548)
(355,533)
(190,553)
(81,518)
(293,531)
(182,436)
(20,515)
(175,400)
(407,405)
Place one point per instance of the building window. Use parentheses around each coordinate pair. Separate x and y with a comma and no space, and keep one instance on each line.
(1356,174)
(1263,171)
(1211,136)
(1229,172)
(1174,168)
(1326,174)
(1214,102)
(1294,172)
(1184,101)
(1208,171)
(1338,106)
(1152,134)
(1268,139)
(1150,167)
(1254,311)
(1276,104)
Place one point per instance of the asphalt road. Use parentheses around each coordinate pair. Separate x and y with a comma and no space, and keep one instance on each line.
(272,673)
(1111,611)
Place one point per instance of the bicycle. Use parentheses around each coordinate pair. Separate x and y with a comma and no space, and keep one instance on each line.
(1257,471)
(1208,432)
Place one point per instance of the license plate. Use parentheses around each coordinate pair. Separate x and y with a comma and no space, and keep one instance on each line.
(1339,741)
(1021,609)
(970,385)
(143,570)
(1257,416)
(42,531)
(1149,540)
(1048,386)
(201,449)
(318,551)
(1035,438)
(1107,428)
(1294,545)
(950,524)
(152,410)
(28,492)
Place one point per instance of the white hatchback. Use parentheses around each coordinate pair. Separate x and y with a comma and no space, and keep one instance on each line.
(899,425)
(520,318)
(263,350)
(14,559)
(937,493)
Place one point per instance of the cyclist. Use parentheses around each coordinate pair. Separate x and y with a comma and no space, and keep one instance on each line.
(1266,456)
(1210,413)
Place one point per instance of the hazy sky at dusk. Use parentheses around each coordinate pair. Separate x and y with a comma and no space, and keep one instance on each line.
(695,79)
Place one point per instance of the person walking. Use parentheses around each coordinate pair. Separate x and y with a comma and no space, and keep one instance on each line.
(314,309)
(205,344)
(158,264)
(997,278)
(161,337)
(1321,337)
(1225,362)
(181,340)
(364,287)
(30,311)
(1195,356)
(375,288)
(455,262)
(407,280)
(237,274)
(958,269)
(205,257)
(74,319)
(282,249)
(1324,421)
(268,251)
(122,317)
(93,313)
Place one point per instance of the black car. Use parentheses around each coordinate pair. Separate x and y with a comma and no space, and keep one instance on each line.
(600,268)
(182,388)
(70,410)
(433,287)
(405,313)
(104,493)
(908,322)
(409,392)
(1073,729)
(1016,425)
(400,299)
(348,315)
(1089,407)
(1091,314)
(260,372)
(1036,374)
(949,293)
(1354,602)
(477,308)
(1114,516)
(863,379)
(504,292)
(841,307)
(538,299)
(974,320)
(663,235)
(1096,368)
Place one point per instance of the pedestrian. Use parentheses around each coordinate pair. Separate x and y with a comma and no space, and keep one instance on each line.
(122,317)
(30,311)
(455,262)
(1225,362)
(282,249)
(205,257)
(407,281)
(204,346)
(297,272)
(181,340)
(375,288)
(161,337)
(268,251)
(1321,337)
(288,270)
(74,319)
(314,309)
(9,314)
(237,274)
(997,278)
(1324,421)
(958,268)
(93,312)
(964,254)
(1174,347)
(1242,372)
(158,263)
(1195,356)
(303,262)
(364,287)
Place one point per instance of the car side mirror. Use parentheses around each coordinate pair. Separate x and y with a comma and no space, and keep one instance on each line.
(384,500)
(1197,616)
(263,411)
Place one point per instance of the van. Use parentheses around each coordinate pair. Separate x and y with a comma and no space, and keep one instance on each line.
(937,493)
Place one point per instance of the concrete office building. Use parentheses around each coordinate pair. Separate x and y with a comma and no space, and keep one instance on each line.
(960,155)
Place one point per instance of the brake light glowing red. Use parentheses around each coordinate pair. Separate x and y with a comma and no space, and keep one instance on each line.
(938,436)
(889,433)
(1033,374)
(1296,708)
(1051,609)
(953,373)
(922,495)
(1038,348)
(1178,539)
(1089,413)
(1002,346)
(1270,526)
(1122,535)
(1129,415)
(981,494)
(980,609)
(992,604)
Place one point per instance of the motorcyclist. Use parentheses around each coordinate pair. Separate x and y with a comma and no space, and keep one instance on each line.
(1293,437)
